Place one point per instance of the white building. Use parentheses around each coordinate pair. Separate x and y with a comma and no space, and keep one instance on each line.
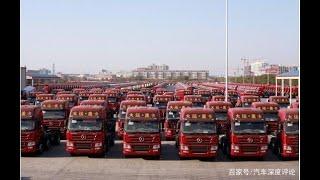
(258,68)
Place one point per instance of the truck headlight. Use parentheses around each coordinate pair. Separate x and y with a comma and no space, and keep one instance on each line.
(263,148)
(157,146)
(99,144)
(285,147)
(31,143)
(214,148)
(235,147)
(184,147)
(126,146)
(69,143)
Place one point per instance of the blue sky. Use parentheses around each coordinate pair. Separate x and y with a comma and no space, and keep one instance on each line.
(82,36)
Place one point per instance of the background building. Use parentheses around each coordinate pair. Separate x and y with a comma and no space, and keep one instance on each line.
(23,80)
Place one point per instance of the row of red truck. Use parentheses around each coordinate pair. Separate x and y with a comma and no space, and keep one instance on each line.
(195,124)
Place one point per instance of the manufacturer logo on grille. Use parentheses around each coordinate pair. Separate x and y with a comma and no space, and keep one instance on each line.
(250,140)
(199,140)
(141,139)
(83,136)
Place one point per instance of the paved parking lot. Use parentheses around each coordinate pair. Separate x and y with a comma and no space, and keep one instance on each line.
(57,164)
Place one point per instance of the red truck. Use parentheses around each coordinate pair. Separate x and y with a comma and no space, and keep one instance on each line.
(122,114)
(196,100)
(247,100)
(172,117)
(55,117)
(71,98)
(283,101)
(84,95)
(42,97)
(87,132)
(24,102)
(286,142)
(141,135)
(34,137)
(220,98)
(294,105)
(270,112)
(113,100)
(180,93)
(197,133)
(161,101)
(138,97)
(205,94)
(246,134)
(221,110)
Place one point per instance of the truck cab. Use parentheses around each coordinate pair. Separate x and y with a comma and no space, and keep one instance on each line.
(283,101)
(220,98)
(270,112)
(247,100)
(286,142)
(113,101)
(197,133)
(246,133)
(161,101)
(172,117)
(34,138)
(84,95)
(233,94)
(122,114)
(137,97)
(160,91)
(294,105)
(87,132)
(55,117)
(221,111)
(42,97)
(31,97)
(24,102)
(205,94)
(73,99)
(147,93)
(77,90)
(141,135)
(196,100)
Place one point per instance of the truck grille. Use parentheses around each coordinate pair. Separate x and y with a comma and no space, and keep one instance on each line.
(294,140)
(88,137)
(199,149)
(249,148)
(82,145)
(245,139)
(141,148)
(146,139)
(193,140)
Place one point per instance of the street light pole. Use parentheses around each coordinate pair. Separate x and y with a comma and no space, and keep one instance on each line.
(226,75)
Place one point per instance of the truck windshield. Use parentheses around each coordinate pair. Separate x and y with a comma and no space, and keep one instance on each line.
(161,105)
(173,115)
(122,114)
(27,125)
(284,105)
(246,104)
(71,103)
(292,128)
(197,104)
(84,125)
(83,98)
(249,127)
(199,127)
(271,116)
(112,99)
(53,114)
(221,116)
(141,126)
